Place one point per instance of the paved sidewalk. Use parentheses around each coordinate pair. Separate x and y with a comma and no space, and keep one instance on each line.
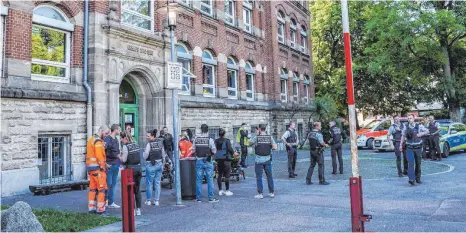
(439,204)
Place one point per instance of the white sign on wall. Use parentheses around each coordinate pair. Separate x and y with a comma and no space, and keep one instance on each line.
(174,75)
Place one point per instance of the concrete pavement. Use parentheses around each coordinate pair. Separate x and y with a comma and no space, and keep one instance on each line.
(439,204)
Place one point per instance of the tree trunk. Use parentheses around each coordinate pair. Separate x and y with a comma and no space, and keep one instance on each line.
(454,109)
(453,102)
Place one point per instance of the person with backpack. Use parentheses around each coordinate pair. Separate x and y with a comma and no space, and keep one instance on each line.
(223,156)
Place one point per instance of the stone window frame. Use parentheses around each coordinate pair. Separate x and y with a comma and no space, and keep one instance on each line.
(208,61)
(209,6)
(232,67)
(60,26)
(251,73)
(230,18)
(281,24)
(247,7)
(137,14)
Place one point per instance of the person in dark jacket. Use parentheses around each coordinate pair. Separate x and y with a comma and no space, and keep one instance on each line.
(242,140)
(112,151)
(223,157)
(167,142)
(130,157)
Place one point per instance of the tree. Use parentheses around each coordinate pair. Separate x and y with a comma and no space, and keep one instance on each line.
(424,42)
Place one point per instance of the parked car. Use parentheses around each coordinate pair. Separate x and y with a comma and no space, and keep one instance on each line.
(452,137)
(378,130)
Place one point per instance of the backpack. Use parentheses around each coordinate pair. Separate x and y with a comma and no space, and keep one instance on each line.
(222,154)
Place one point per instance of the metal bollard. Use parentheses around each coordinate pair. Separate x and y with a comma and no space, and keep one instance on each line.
(127,199)
(357,208)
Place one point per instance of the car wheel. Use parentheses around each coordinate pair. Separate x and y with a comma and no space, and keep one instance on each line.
(359,147)
(381,150)
(369,143)
(446,150)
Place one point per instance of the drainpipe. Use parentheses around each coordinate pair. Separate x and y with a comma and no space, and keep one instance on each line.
(86,85)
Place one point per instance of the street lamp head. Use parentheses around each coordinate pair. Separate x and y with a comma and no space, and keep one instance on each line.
(172,17)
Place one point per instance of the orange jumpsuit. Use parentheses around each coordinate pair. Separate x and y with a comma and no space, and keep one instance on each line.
(96,166)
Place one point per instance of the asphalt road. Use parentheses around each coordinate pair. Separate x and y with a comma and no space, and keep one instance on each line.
(438,204)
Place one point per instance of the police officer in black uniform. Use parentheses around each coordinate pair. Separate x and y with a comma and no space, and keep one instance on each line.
(434,131)
(336,143)
(290,138)
(426,139)
(396,130)
(316,144)
(130,157)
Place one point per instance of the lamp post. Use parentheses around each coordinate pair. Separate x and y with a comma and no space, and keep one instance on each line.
(171,12)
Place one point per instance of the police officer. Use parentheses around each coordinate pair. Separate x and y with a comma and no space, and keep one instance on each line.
(316,142)
(426,139)
(242,140)
(130,157)
(412,134)
(204,148)
(264,144)
(434,130)
(396,130)
(336,143)
(290,138)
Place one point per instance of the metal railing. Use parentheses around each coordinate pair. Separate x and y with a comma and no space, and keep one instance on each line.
(54,159)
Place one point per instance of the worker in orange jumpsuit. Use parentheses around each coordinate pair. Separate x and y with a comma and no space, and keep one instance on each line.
(96,166)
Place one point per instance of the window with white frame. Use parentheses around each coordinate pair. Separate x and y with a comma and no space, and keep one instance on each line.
(51,45)
(247,16)
(303,40)
(230,12)
(232,76)
(295,91)
(186,2)
(208,74)
(283,90)
(281,27)
(138,14)
(292,41)
(185,58)
(249,81)
(306,88)
(206,7)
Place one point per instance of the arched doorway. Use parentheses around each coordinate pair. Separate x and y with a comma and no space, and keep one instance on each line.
(129,108)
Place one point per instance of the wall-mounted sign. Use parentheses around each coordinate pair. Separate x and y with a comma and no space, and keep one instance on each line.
(175,73)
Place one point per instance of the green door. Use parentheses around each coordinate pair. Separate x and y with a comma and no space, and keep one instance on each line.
(129,108)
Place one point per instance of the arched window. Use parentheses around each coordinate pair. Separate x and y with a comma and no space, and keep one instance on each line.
(292,42)
(50,47)
(281,27)
(208,73)
(230,12)
(250,72)
(232,78)
(303,40)
(138,14)
(185,58)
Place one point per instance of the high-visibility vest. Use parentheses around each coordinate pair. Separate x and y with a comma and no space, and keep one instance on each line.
(94,145)
(186,148)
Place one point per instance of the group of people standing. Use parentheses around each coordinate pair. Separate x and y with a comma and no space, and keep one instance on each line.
(411,141)
(109,149)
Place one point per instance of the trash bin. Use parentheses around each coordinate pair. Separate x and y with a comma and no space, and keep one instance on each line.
(188,178)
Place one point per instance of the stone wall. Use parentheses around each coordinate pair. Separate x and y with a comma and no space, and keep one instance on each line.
(23,121)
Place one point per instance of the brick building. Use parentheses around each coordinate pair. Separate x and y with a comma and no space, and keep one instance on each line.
(245,61)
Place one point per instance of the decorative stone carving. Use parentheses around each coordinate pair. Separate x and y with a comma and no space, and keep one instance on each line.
(113,13)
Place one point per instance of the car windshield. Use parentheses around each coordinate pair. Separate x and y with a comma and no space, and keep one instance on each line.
(444,130)
(371,124)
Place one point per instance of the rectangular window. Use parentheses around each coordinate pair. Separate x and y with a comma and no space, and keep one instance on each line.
(54,159)
(232,87)
(186,82)
(295,91)
(303,43)
(230,12)
(292,38)
(281,32)
(283,93)
(208,77)
(206,7)
(247,18)
(186,2)
(50,54)
(250,86)
(306,93)
(138,14)
(213,132)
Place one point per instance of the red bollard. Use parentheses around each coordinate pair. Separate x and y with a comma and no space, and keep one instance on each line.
(127,199)
(357,208)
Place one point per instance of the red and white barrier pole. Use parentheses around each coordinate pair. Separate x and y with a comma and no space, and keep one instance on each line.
(357,216)
(127,200)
